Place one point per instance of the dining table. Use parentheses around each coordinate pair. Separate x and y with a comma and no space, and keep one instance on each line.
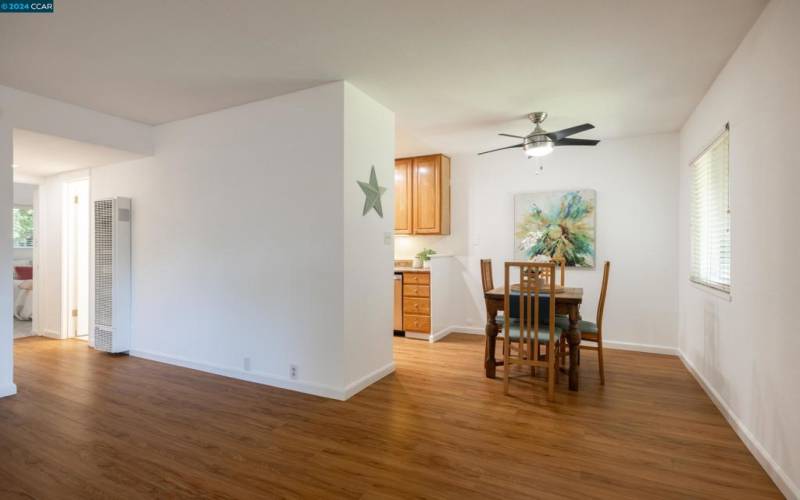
(567,302)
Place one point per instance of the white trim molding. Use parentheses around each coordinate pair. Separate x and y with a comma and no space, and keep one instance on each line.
(7,390)
(444,332)
(608,344)
(324,391)
(52,334)
(775,472)
(367,380)
(633,346)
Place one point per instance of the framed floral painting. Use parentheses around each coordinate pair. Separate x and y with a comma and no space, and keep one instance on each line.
(557,224)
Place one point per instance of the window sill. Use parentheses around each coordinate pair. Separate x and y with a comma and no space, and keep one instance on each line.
(726,296)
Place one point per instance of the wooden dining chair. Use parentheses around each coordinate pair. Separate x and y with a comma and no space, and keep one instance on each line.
(531,331)
(559,271)
(486,275)
(487,280)
(591,332)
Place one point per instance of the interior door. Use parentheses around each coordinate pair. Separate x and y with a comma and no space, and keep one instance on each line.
(402,193)
(427,190)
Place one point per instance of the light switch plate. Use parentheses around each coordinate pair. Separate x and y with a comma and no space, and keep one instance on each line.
(388,238)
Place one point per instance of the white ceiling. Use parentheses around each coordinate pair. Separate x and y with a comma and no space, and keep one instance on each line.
(455,72)
(40,155)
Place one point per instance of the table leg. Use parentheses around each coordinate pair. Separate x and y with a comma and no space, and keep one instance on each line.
(574,339)
(492,330)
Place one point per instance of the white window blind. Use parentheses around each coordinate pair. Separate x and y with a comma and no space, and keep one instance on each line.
(711,217)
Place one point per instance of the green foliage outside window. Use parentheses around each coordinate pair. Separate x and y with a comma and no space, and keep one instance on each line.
(23,227)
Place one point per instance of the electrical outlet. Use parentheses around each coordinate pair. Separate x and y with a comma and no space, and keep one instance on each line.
(388,238)
(246,363)
(293,371)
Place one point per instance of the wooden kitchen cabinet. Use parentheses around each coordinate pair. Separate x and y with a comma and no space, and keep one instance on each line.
(422,195)
(416,302)
(403,170)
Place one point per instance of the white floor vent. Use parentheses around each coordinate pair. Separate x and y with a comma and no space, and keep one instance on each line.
(111,269)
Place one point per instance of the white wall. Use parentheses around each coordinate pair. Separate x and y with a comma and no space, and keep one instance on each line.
(746,350)
(7,386)
(244,224)
(368,254)
(637,189)
(30,112)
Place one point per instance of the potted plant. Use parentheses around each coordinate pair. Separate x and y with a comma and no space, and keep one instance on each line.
(425,257)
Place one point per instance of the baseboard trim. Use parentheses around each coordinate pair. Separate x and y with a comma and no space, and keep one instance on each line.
(444,332)
(610,344)
(367,380)
(774,471)
(51,334)
(256,377)
(633,346)
(7,390)
(417,336)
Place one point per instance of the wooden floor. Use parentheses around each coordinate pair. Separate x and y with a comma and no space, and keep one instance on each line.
(87,425)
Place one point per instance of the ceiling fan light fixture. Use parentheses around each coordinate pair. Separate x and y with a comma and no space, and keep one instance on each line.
(538,146)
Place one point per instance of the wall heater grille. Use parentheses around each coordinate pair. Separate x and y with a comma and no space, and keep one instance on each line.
(111,268)
(103,261)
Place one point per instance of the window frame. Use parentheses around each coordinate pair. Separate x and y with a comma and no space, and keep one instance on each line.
(706,285)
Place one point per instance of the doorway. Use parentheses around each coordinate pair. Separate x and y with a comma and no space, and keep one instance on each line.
(76,258)
(25,226)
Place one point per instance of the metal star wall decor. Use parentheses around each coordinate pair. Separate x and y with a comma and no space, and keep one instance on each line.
(373,193)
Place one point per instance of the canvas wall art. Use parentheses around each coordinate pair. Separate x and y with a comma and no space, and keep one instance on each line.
(557,224)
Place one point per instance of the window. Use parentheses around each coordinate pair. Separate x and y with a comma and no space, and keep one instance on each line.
(711,217)
(23,227)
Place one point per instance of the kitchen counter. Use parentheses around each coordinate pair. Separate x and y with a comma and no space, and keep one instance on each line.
(410,270)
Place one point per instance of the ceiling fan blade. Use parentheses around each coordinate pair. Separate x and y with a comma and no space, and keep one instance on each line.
(560,134)
(500,149)
(576,142)
(514,136)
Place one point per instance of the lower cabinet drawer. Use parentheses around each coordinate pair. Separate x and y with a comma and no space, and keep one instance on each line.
(416,323)
(417,278)
(416,306)
(416,291)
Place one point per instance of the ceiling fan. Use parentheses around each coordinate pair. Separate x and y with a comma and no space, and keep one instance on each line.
(541,142)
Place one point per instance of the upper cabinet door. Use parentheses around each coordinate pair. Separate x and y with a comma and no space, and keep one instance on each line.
(402,196)
(431,195)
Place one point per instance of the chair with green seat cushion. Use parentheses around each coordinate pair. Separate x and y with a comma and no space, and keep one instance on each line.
(530,302)
(590,332)
(544,332)
(584,326)
(488,284)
